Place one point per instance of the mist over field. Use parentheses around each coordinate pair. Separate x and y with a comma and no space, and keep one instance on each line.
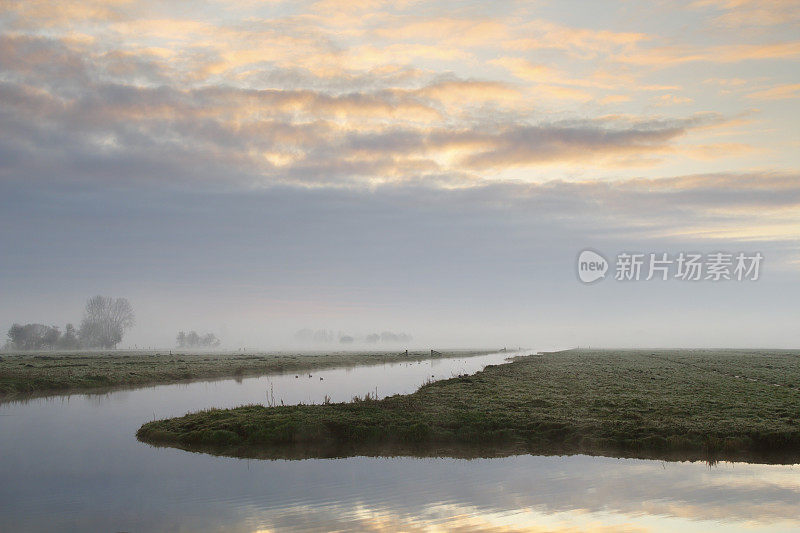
(463,268)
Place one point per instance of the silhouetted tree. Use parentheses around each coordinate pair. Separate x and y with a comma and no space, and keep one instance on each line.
(50,336)
(388,336)
(317,337)
(105,321)
(69,340)
(193,340)
(210,340)
(33,336)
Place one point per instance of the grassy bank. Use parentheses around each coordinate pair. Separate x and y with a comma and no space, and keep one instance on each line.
(661,404)
(46,373)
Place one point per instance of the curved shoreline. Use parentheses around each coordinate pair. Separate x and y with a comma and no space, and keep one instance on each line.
(619,403)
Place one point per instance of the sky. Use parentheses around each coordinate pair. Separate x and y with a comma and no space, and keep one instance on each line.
(430,168)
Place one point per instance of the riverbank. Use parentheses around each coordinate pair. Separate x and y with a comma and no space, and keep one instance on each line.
(30,375)
(670,404)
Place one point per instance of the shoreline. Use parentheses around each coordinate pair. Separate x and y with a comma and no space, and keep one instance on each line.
(469,452)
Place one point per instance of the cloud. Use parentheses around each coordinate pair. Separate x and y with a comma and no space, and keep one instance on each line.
(749,13)
(669,56)
(344,98)
(581,42)
(615,99)
(779,92)
(447,32)
(38,13)
(671,99)
(461,92)
(594,141)
(549,83)
(70,110)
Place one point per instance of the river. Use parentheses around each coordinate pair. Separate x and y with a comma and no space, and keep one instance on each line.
(72,463)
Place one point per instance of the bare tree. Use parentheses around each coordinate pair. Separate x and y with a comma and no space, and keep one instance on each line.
(210,340)
(105,321)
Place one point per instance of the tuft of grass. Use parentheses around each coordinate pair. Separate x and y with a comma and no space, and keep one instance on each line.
(684,404)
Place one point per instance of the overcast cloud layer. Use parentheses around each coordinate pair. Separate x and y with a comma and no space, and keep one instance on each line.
(257,168)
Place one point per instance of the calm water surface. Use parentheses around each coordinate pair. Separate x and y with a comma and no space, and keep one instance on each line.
(72,463)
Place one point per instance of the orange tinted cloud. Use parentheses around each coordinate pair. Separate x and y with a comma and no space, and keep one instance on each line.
(778,92)
(375,91)
(741,13)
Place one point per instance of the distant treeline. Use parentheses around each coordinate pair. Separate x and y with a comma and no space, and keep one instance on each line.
(194,340)
(388,337)
(41,337)
(105,321)
(323,336)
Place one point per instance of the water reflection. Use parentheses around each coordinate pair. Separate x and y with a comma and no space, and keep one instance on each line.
(73,463)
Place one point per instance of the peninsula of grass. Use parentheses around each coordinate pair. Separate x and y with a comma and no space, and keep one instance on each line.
(667,404)
(26,375)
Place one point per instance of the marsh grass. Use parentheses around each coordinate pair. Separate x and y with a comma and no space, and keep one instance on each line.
(709,405)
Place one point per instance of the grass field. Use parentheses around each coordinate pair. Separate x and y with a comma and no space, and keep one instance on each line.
(670,404)
(47,373)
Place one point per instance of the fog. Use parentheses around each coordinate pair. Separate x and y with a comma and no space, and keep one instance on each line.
(490,267)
